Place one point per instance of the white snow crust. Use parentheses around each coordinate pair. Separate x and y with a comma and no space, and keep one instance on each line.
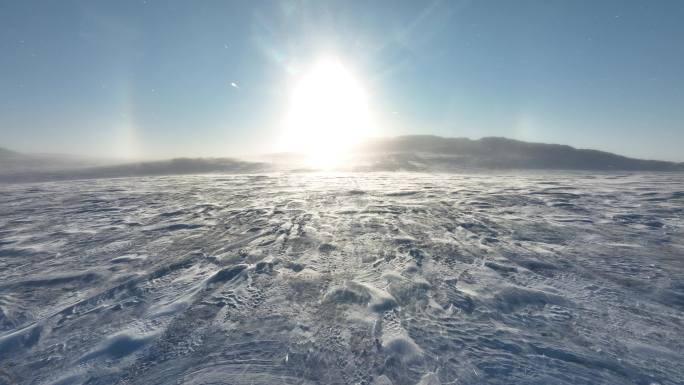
(348,278)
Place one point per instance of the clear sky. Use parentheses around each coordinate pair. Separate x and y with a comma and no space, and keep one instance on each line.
(211,78)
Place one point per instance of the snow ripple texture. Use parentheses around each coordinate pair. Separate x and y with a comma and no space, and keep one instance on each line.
(378,278)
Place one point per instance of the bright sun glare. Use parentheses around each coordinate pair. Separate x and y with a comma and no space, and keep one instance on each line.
(328,114)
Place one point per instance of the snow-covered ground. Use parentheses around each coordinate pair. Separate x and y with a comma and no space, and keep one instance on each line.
(376,278)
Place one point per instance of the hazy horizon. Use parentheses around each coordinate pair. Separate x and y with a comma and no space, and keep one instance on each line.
(265,155)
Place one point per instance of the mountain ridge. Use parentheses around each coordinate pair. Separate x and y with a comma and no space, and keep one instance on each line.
(500,153)
(425,153)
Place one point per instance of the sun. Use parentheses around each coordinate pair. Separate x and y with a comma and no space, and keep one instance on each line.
(328,114)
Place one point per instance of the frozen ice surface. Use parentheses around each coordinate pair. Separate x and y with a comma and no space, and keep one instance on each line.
(376,278)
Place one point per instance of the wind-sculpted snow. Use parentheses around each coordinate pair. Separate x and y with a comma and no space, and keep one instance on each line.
(378,278)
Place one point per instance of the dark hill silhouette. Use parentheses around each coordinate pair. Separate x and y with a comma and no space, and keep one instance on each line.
(437,153)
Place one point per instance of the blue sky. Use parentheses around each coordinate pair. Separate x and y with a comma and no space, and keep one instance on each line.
(153,78)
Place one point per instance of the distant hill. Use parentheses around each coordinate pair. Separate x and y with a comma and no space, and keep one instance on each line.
(179,166)
(425,152)
(409,153)
(6,155)
(13,162)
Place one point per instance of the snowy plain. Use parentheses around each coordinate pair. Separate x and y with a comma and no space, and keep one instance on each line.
(350,278)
